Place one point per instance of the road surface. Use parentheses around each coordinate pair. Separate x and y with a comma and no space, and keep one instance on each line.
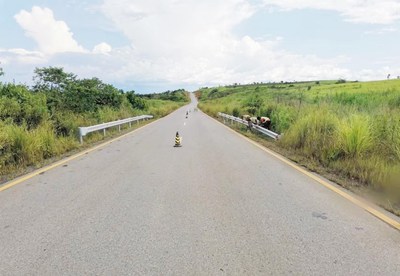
(216,206)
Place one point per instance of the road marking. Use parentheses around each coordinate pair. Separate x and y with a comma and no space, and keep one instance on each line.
(367,207)
(21,179)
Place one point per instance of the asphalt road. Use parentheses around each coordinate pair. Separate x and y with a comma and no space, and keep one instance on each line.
(216,206)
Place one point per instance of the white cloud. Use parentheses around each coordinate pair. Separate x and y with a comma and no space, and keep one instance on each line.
(358,11)
(102,48)
(193,42)
(20,55)
(381,73)
(381,31)
(51,35)
(180,43)
(171,26)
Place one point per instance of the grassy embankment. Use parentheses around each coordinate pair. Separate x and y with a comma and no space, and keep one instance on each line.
(350,131)
(39,124)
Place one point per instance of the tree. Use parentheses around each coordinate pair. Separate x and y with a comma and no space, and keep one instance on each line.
(136,101)
(52,78)
(19,105)
(88,95)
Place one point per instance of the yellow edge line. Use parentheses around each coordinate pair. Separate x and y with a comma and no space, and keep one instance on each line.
(346,195)
(63,161)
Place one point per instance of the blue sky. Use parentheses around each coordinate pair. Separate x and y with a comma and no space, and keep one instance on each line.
(155,45)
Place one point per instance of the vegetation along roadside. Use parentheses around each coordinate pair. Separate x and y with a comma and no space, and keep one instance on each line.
(39,124)
(347,131)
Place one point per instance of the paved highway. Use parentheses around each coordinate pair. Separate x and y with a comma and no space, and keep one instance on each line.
(216,206)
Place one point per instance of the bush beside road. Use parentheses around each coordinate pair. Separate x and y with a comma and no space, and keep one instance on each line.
(349,130)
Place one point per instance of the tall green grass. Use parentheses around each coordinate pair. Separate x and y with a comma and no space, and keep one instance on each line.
(22,145)
(41,122)
(161,108)
(352,129)
(355,136)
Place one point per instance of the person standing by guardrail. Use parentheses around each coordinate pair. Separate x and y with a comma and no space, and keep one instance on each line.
(249,124)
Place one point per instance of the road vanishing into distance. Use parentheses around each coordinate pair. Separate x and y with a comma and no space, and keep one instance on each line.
(218,205)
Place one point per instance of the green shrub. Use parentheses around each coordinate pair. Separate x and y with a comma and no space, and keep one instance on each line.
(136,101)
(22,145)
(386,131)
(253,103)
(236,112)
(282,118)
(315,135)
(22,106)
(46,141)
(9,108)
(355,137)
(5,145)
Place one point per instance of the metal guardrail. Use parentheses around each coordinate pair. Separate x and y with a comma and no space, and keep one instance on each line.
(265,131)
(83,131)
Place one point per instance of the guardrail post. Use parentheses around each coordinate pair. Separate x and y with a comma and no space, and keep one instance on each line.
(80,135)
(104,132)
(119,128)
(130,124)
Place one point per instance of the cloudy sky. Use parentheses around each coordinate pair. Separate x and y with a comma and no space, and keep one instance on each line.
(155,45)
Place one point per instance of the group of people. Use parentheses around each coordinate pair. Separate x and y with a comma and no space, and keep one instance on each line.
(264,122)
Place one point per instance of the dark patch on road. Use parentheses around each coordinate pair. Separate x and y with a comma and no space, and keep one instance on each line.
(359,228)
(319,215)
(42,173)
(7,226)
(66,165)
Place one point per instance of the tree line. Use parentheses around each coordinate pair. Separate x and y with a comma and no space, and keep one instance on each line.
(41,121)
